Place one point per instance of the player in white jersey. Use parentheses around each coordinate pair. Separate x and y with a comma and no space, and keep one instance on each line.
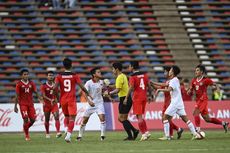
(94,87)
(177,105)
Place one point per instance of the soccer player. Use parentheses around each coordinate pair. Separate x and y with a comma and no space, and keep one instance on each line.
(176,105)
(67,82)
(50,104)
(200,84)
(184,88)
(139,84)
(167,99)
(24,97)
(94,87)
(122,88)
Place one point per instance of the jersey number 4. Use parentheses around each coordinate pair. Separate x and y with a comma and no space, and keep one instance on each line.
(142,85)
(67,85)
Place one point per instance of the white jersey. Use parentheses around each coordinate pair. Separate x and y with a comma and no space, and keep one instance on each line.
(176,97)
(95,90)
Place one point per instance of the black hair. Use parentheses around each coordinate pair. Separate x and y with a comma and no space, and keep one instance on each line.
(176,70)
(202,68)
(186,80)
(93,71)
(117,65)
(52,72)
(135,64)
(23,70)
(67,63)
(167,68)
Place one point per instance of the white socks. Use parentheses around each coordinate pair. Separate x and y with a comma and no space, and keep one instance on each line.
(166,127)
(191,127)
(103,127)
(81,131)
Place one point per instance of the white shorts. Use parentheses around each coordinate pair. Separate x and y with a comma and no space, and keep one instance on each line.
(172,110)
(99,109)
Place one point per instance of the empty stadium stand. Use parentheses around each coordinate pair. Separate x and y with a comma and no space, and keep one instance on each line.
(154,32)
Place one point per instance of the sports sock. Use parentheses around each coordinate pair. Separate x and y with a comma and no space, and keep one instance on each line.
(57,125)
(70,126)
(166,127)
(215,121)
(47,124)
(81,130)
(103,128)
(126,125)
(191,127)
(197,120)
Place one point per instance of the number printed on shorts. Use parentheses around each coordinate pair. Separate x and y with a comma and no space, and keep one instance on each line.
(142,85)
(67,85)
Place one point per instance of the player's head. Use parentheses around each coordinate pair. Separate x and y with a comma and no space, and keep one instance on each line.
(67,63)
(96,73)
(166,71)
(134,65)
(186,82)
(200,70)
(50,75)
(117,67)
(174,71)
(24,74)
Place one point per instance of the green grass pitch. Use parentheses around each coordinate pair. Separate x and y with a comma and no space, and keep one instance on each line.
(215,142)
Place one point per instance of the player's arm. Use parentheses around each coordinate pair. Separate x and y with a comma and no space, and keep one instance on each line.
(88,96)
(150,95)
(168,89)
(131,88)
(16,103)
(157,84)
(44,95)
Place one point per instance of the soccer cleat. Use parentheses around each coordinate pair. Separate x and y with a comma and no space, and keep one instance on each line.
(196,137)
(102,138)
(164,138)
(58,135)
(68,138)
(144,137)
(135,134)
(27,138)
(147,134)
(179,133)
(47,136)
(78,139)
(128,139)
(226,126)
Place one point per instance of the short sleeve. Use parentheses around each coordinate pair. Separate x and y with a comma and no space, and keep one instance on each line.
(17,88)
(172,84)
(42,88)
(77,79)
(87,85)
(208,81)
(119,81)
(34,86)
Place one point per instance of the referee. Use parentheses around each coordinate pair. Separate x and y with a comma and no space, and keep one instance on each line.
(122,89)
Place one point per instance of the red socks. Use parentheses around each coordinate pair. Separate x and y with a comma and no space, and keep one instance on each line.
(70,126)
(142,125)
(197,120)
(215,121)
(57,125)
(47,127)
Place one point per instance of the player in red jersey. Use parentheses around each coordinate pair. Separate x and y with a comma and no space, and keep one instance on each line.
(67,82)
(167,100)
(139,84)
(184,87)
(50,104)
(200,84)
(24,97)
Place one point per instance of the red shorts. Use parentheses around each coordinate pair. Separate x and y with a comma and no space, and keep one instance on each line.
(50,108)
(139,107)
(28,111)
(69,108)
(202,106)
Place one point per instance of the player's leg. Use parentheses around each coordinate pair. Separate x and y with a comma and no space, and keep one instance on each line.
(196,115)
(55,111)
(103,125)
(182,114)
(100,110)
(123,117)
(179,130)
(47,124)
(82,127)
(215,121)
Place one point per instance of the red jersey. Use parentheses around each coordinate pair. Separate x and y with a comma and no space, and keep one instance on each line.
(139,81)
(25,92)
(48,91)
(67,82)
(167,96)
(200,87)
(185,95)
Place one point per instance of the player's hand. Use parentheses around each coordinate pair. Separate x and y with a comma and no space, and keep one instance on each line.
(106,93)
(91,104)
(156,94)
(16,109)
(125,101)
